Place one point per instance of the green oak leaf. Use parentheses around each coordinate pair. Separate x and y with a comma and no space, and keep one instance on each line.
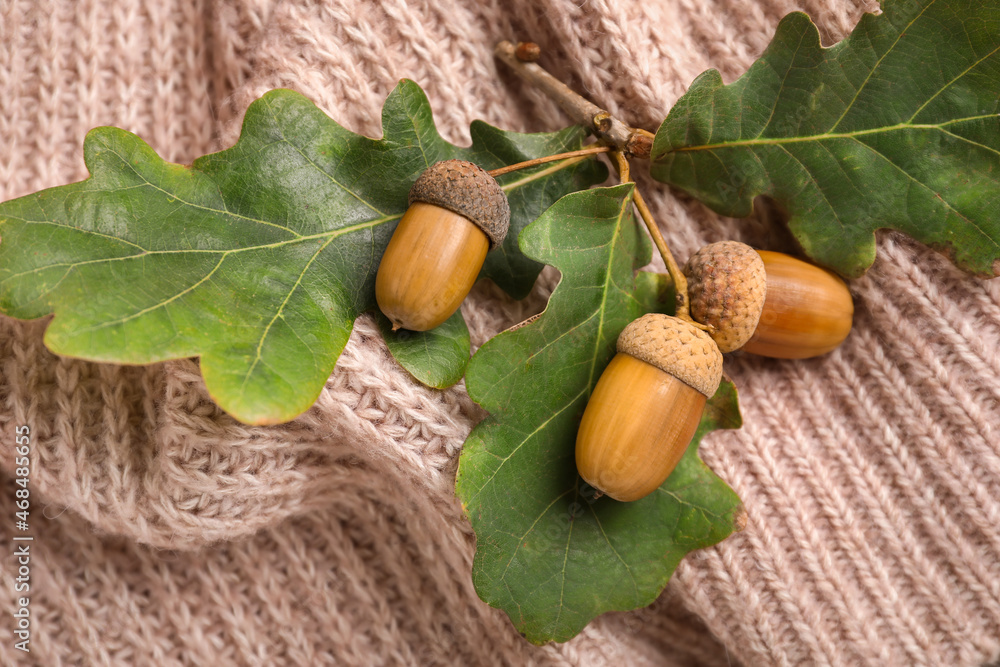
(438,357)
(258,258)
(897,126)
(548,554)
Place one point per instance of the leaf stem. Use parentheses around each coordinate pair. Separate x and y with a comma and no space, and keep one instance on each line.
(592,150)
(607,128)
(682,308)
(624,169)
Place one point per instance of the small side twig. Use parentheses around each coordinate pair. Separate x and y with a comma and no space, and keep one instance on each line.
(607,128)
(582,153)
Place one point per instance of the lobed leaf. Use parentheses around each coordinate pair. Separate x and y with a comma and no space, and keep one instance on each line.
(897,126)
(438,357)
(258,258)
(548,554)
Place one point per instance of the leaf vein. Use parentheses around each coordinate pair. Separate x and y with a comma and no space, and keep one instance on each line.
(75,229)
(819,189)
(970,141)
(777,98)
(202,207)
(635,585)
(280,312)
(868,78)
(526,438)
(949,84)
(161,304)
(520,540)
(822,137)
(947,204)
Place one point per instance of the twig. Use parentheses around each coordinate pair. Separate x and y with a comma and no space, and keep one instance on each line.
(625,140)
(607,128)
(583,152)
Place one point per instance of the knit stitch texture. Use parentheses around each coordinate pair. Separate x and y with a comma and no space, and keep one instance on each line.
(166,533)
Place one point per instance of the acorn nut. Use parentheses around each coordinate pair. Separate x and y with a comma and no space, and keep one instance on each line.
(646,406)
(767,303)
(457,213)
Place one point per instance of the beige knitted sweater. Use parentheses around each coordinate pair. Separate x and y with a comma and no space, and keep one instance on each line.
(165,533)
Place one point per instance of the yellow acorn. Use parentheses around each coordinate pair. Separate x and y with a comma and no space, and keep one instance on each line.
(646,406)
(457,213)
(767,303)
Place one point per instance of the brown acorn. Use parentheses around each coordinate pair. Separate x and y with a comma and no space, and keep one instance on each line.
(646,406)
(457,213)
(808,310)
(767,303)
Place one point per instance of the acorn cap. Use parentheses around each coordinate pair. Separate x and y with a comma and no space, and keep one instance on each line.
(727,284)
(675,347)
(466,189)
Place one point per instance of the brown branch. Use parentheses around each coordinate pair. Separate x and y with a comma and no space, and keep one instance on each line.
(606,127)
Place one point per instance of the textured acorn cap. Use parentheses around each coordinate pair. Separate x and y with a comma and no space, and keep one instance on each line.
(727,284)
(675,347)
(466,189)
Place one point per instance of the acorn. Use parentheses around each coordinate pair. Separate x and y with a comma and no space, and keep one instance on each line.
(767,303)
(457,213)
(646,406)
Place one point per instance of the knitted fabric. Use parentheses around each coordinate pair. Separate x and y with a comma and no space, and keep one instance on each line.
(166,533)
